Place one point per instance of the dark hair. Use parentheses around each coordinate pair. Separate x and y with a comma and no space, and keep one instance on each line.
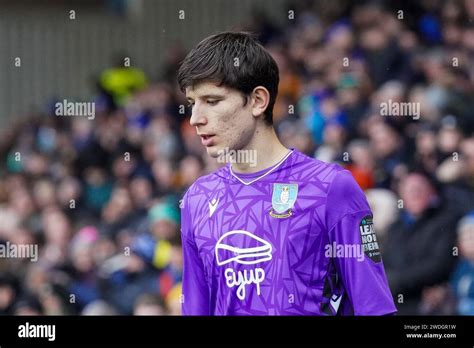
(430,178)
(214,58)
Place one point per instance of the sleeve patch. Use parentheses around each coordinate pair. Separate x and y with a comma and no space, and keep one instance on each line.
(369,239)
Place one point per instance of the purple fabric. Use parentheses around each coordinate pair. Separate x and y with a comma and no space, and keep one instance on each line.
(239,259)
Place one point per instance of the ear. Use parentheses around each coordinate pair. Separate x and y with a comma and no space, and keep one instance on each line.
(260,99)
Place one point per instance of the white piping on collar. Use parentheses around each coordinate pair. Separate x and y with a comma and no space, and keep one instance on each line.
(263,175)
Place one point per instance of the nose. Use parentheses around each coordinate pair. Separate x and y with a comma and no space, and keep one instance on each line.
(197,116)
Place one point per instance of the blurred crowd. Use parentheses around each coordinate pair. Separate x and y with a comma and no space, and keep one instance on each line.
(101,197)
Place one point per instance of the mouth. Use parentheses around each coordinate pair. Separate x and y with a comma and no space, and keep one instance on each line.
(207,139)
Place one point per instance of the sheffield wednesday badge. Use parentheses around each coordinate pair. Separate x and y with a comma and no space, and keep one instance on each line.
(283,200)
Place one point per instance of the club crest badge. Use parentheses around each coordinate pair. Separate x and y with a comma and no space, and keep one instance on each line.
(283,200)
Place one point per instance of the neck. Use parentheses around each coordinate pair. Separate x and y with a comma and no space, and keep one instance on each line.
(266,150)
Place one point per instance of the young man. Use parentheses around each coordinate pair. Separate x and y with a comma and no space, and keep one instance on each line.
(278,233)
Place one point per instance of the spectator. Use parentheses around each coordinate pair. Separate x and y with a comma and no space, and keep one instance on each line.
(149,304)
(122,80)
(418,249)
(462,280)
(8,293)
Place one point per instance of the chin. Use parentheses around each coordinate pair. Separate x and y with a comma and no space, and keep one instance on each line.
(213,151)
(218,152)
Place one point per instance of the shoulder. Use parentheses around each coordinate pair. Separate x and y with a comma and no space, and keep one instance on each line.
(315,170)
(205,187)
(195,199)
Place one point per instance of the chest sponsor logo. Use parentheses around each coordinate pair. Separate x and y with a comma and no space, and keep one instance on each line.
(283,200)
(244,248)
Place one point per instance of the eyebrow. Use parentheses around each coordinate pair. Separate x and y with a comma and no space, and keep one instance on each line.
(215,96)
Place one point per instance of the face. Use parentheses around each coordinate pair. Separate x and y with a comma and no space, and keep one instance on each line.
(7,294)
(82,258)
(383,140)
(220,117)
(416,193)
(466,242)
(163,229)
(149,309)
(467,151)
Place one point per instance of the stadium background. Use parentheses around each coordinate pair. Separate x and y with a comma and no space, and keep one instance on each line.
(100,197)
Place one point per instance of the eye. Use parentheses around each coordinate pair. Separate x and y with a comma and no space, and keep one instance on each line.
(212,102)
(190,105)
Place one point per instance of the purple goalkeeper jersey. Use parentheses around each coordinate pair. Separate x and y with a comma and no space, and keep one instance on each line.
(296,241)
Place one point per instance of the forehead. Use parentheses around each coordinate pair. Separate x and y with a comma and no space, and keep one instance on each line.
(416,180)
(206,89)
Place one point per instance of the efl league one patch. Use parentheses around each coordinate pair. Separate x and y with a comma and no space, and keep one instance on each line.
(369,239)
(283,200)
